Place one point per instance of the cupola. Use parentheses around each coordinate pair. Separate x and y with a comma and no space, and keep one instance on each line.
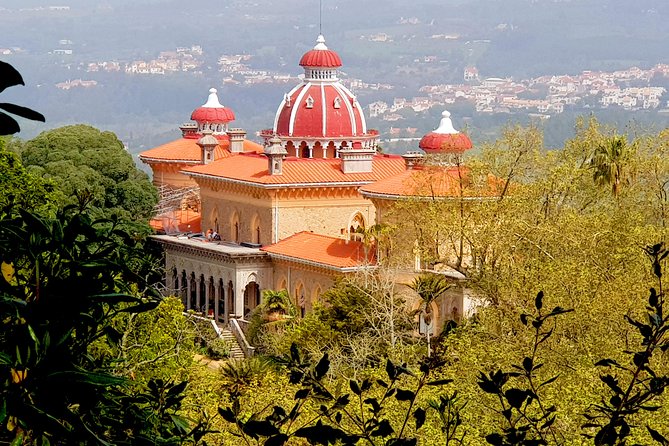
(445,139)
(212,115)
(320,116)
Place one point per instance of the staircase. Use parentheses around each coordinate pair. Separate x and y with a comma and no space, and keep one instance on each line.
(236,351)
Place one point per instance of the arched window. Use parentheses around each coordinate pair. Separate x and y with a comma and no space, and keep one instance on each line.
(222,309)
(304,150)
(337,102)
(356,227)
(301,299)
(234,227)
(291,149)
(315,294)
(255,229)
(310,102)
(230,298)
(331,150)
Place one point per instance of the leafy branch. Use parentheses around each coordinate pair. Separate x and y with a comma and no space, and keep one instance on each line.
(528,421)
(610,419)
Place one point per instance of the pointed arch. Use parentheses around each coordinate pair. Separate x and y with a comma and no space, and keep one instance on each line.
(234,227)
(356,226)
(255,229)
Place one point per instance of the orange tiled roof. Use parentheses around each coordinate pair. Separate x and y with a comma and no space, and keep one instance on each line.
(187,150)
(253,168)
(329,252)
(430,182)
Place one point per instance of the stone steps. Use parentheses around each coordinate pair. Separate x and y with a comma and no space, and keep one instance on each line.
(236,351)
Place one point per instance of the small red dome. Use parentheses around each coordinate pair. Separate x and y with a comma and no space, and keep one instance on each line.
(445,143)
(212,111)
(320,56)
(445,139)
(213,115)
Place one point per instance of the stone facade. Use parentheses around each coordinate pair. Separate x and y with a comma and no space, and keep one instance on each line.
(169,174)
(255,215)
(305,284)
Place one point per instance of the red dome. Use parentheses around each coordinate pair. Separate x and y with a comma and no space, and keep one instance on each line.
(320,110)
(445,143)
(445,139)
(320,56)
(212,111)
(220,115)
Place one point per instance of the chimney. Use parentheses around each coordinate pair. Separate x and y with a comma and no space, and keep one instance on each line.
(275,153)
(236,140)
(188,130)
(207,145)
(413,159)
(356,159)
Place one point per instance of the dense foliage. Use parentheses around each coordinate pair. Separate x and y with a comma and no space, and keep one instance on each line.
(81,160)
(571,222)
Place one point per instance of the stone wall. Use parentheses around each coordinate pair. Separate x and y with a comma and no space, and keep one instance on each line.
(304,284)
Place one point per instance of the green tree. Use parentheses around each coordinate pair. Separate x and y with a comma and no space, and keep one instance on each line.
(20,188)
(64,279)
(81,158)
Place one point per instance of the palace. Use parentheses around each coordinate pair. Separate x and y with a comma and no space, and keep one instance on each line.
(287,213)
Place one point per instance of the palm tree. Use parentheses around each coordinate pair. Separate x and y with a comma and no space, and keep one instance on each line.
(8,125)
(276,304)
(610,163)
(374,235)
(429,287)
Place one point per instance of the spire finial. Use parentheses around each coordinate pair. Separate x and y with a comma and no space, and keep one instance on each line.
(320,43)
(446,125)
(320,17)
(212,101)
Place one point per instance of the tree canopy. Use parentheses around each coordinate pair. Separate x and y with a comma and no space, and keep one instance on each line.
(81,158)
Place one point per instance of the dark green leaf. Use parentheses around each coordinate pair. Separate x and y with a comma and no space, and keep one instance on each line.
(355,388)
(606,363)
(301,394)
(277,440)
(515,397)
(657,436)
(256,428)
(294,353)
(322,367)
(9,76)
(440,382)
(405,395)
(8,125)
(227,414)
(419,415)
(23,112)
(384,429)
(391,370)
(527,364)
(538,301)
